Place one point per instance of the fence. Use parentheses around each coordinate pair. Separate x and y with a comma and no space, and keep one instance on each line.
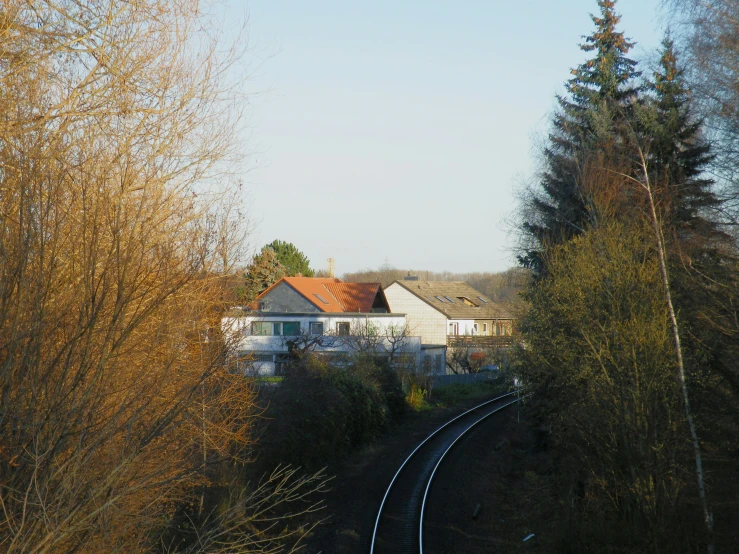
(463,378)
(480,341)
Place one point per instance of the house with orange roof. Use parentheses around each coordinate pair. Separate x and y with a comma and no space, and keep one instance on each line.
(317,294)
(325,316)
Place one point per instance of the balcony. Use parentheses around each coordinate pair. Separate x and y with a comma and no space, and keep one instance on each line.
(479,341)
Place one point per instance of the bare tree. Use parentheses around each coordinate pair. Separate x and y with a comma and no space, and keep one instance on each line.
(368,337)
(117,119)
(709,30)
(254,520)
(306,342)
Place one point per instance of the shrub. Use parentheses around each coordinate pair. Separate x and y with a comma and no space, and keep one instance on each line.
(416,397)
(320,412)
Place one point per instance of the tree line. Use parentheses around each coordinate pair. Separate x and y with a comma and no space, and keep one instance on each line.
(631,328)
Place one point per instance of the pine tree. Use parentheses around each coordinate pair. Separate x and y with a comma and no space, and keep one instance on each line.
(591,117)
(702,258)
(264,270)
(294,261)
(678,154)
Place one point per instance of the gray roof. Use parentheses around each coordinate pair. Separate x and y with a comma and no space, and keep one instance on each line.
(453,299)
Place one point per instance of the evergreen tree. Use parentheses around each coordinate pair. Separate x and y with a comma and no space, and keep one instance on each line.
(591,118)
(293,260)
(264,270)
(702,257)
(678,154)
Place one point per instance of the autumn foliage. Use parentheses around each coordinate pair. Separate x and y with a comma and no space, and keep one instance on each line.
(118,404)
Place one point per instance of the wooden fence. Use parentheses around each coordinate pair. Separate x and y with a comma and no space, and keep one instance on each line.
(478,341)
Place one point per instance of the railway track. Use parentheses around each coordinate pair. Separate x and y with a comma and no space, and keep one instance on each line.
(399,524)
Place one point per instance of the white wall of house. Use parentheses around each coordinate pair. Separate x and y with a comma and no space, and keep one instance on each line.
(461,327)
(423,320)
(260,347)
(434,358)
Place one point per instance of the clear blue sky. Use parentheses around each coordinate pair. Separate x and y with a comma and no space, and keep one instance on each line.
(398,130)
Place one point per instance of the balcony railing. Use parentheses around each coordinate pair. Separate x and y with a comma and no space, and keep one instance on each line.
(479,341)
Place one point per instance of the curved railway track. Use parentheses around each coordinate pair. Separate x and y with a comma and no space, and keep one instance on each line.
(399,523)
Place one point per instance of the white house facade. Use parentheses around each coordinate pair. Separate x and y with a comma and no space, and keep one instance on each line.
(263,341)
(323,316)
(449,314)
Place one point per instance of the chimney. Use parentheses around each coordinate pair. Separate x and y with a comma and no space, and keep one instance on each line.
(331,268)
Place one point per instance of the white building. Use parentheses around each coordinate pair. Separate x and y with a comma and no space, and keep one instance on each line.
(323,316)
(450,314)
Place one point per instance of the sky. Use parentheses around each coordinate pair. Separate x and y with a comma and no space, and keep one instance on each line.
(397,132)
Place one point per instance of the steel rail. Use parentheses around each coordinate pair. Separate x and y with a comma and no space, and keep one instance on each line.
(433,473)
(392,482)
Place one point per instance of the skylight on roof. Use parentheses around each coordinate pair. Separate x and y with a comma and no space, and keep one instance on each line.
(450,300)
(321,298)
(481,298)
(440,299)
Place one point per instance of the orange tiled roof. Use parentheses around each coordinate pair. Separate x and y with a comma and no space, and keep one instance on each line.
(354,297)
(312,286)
(330,294)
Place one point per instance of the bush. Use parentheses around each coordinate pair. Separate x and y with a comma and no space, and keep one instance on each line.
(416,397)
(320,412)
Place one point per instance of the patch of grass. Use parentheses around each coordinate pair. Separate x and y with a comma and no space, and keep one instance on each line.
(416,399)
(269,379)
(444,397)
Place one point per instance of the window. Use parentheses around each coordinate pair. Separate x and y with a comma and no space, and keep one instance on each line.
(481,298)
(262,357)
(440,299)
(484,328)
(475,329)
(453,328)
(450,300)
(321,298)
(275,328)
(466,301)
(262,306)
(316,328)
(342,329)
(261,328)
